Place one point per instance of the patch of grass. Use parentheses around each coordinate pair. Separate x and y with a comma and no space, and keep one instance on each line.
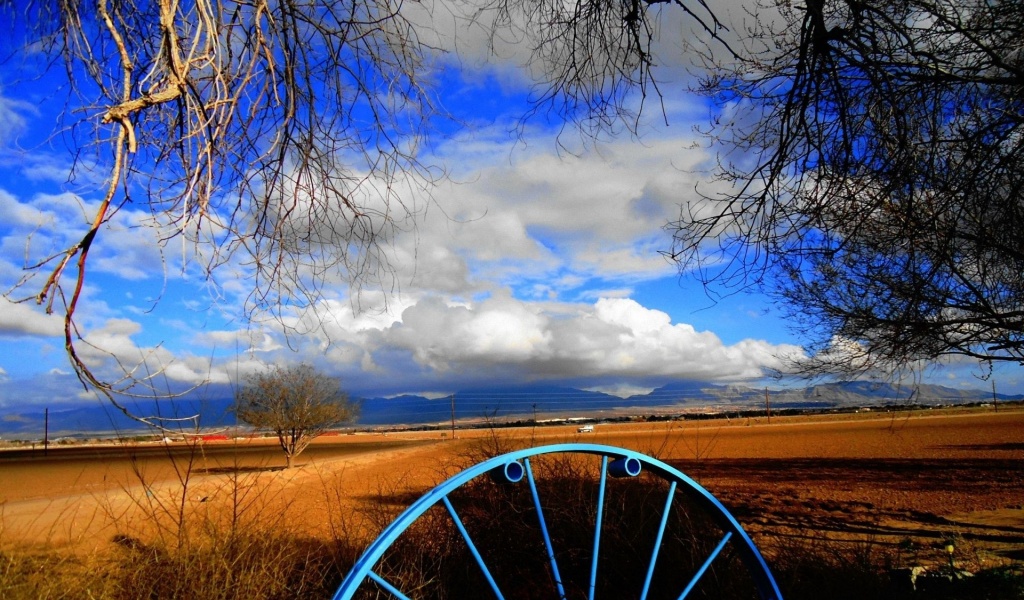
(258,565)
(212,537)
(52,573)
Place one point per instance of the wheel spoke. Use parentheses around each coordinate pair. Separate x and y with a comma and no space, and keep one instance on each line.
(544,530)
(472,548)
(657,540)
(387,586)
(707,563)
(597,527)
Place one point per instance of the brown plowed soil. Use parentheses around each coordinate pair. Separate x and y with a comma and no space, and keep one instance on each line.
(908,480)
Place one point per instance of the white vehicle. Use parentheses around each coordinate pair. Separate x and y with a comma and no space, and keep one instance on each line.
(585,429)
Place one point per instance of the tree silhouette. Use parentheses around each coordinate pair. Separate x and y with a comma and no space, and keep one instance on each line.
(274,139)
(296,404)
(279,140)
(874,158)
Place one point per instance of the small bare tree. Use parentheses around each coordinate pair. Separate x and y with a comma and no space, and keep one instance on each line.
(296,403)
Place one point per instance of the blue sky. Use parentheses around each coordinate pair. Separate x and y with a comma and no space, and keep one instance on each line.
(529,263)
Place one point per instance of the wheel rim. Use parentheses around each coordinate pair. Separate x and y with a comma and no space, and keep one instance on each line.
(515,466)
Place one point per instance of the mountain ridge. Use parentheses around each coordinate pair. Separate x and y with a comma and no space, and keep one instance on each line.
(528,401)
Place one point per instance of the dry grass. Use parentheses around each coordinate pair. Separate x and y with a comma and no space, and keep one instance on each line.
(175,541)
(243,531)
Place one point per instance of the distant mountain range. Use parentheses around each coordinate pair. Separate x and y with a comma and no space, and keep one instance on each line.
(500,404)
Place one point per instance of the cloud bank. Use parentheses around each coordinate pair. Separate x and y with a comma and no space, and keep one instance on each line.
(524,265)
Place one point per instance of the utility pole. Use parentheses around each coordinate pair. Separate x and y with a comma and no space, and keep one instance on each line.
(46,430)
(767,406)
(453,416)
(995,399)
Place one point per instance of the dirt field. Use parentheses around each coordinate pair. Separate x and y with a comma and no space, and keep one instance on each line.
(909,480)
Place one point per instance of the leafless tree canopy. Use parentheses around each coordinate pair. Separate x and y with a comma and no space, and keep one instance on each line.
(296,403)
(590,58)
(876,162)
(871,151)
(873,148)
(279,138)
(273,136)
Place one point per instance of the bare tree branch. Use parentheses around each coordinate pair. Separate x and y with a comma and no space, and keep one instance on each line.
(277,137)
(875,180)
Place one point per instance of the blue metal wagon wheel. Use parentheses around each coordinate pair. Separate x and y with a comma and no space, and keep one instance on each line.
(686,546)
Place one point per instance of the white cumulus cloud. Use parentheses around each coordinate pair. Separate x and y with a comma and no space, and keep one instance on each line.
(613,337)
